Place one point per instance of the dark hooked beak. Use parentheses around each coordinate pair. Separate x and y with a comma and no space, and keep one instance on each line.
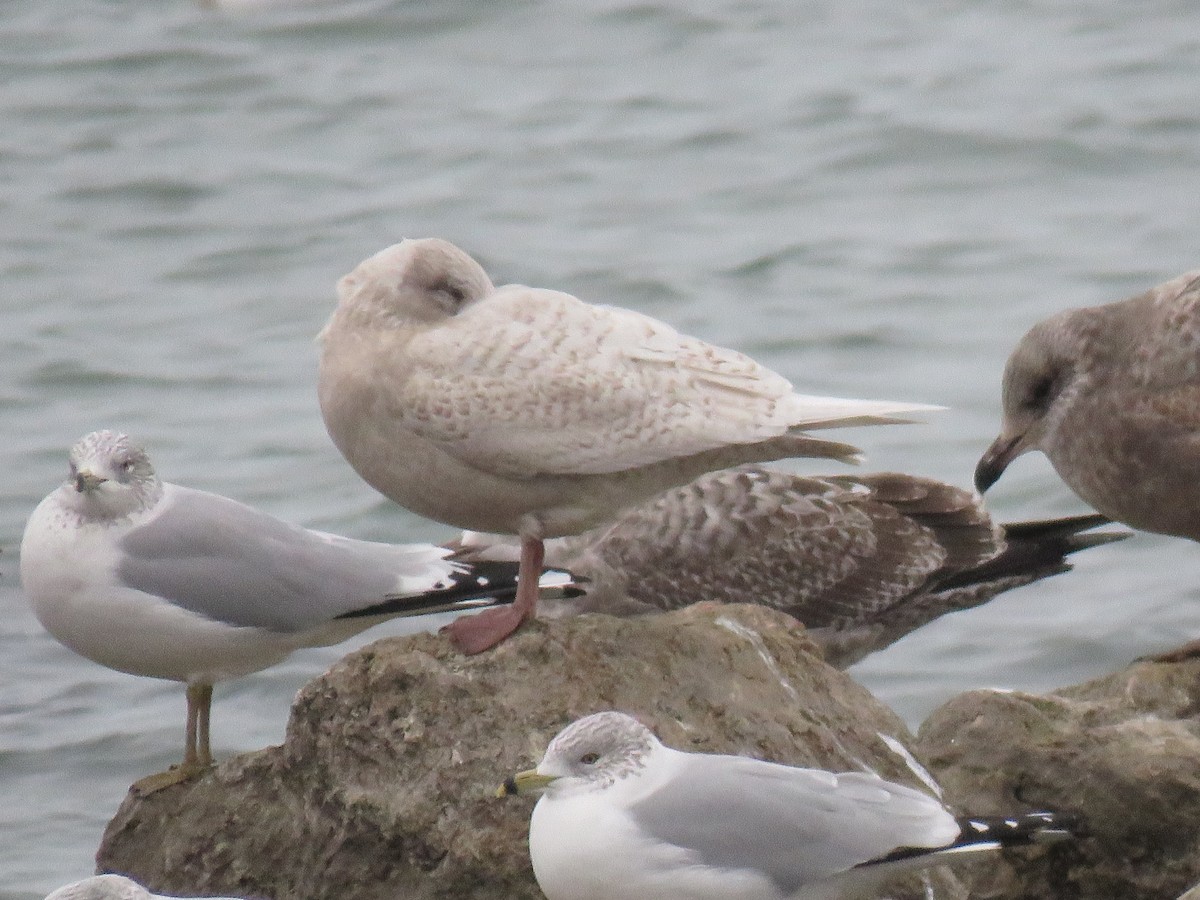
(86,482)
(995,460)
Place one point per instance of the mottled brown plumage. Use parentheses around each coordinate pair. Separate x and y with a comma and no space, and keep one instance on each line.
(1111,395)
(860,560)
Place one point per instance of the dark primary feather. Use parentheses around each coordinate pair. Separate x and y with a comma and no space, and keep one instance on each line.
(484,584)
(1031,551)
(999,831)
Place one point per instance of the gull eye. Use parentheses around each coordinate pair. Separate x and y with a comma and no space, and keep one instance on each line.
(589,759)
(1039,391)
(127,465)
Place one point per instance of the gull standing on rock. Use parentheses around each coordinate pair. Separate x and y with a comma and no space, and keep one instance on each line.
(860,560)
(1111,395)
(155,579)
(622,817)
(527,411)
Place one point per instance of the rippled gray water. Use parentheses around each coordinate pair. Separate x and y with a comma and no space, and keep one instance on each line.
(874,199)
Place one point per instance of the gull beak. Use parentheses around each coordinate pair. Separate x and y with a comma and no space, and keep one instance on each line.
(524,783)
(87,481)
(995,460)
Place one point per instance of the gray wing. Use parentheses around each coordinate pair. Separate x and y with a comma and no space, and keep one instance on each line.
(234,564)
(794,825)
(829,551)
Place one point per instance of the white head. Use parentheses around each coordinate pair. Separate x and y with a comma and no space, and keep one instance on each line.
(102,887)
(590,754)
(414,282)
(110,477)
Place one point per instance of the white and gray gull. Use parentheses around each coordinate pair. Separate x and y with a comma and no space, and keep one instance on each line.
(623,817)
(154,579)
(527,411)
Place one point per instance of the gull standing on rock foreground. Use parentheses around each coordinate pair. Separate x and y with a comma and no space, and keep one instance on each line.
(154,579)
(1111,395)
(860,560)
(527,411)
(621,817)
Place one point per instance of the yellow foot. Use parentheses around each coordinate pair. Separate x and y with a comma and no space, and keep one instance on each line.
(175,775)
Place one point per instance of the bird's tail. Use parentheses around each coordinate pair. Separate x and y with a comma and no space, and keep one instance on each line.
(810,412)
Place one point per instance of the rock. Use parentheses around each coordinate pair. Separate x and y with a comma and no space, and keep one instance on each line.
(1122,752)
(384,785)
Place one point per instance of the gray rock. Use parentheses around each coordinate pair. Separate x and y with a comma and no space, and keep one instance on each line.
(1122,752)
(384,785)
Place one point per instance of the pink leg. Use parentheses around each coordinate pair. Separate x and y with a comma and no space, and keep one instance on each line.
(474,634)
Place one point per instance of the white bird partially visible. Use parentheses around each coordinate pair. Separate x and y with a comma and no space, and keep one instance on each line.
(622,817)
(112,887)
(527,411)
(155,579)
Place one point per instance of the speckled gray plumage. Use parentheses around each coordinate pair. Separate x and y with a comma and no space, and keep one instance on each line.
(1111,395)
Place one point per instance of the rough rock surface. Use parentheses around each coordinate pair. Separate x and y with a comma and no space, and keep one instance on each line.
(1122,752)
(384,785)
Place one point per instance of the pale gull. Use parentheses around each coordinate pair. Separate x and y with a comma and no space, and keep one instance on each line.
(112,887)
(861,560)
(621,816)
(529,412)
(1111,395)
(154,579)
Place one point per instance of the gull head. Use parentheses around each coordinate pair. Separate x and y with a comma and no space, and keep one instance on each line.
(110,476)
(415,282)
(589,754)
(1041,374)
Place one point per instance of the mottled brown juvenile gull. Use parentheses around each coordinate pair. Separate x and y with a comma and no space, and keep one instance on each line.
(527,411)
(622,816)
(1111,395)
(861,560)
(154,579)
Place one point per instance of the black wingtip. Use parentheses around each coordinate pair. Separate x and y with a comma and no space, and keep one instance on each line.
(481,585)
(1016,831)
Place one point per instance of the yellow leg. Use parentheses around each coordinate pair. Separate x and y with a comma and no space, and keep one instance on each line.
(197,753)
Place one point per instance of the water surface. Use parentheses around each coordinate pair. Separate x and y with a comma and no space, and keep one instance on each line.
(876,200)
